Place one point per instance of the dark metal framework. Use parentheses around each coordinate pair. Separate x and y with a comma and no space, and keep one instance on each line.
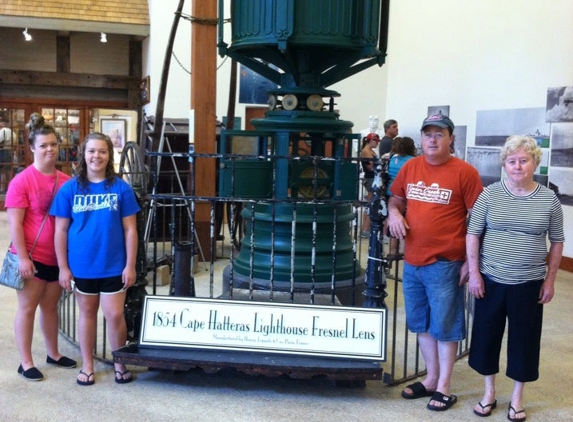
(404,359)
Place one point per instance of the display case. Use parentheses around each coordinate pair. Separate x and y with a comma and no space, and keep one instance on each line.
(66,121)
(14,152)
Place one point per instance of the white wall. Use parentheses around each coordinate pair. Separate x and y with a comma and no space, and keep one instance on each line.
(490,54)
(477,55)
(363,95)
(178,96)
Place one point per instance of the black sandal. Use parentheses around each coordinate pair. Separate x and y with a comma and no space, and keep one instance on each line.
(88,381)
(121,379)
(515,413)
(488,413)
(418,391)
(447,401)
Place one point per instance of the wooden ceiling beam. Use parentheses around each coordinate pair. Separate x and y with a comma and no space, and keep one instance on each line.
(24,77)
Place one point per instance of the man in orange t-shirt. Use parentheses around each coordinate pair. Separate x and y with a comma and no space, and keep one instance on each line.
(432,196)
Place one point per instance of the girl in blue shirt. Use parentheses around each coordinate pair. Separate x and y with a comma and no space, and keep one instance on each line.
(96,246)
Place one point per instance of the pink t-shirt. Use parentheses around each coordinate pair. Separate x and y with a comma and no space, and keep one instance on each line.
(32,190)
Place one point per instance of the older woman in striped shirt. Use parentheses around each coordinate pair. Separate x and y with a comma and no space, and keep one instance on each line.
(511,272)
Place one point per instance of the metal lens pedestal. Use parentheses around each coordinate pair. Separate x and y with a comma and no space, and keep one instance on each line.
(265,260)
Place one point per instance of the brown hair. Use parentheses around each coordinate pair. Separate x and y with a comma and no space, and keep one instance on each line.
(38,126)
(403,146)
(82,170)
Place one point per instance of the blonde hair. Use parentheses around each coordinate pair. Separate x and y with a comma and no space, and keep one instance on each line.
(527,143)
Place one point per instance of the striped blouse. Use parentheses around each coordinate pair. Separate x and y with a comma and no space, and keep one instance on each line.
(515,231)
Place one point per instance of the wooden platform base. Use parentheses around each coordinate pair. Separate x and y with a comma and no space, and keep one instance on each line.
(344,372)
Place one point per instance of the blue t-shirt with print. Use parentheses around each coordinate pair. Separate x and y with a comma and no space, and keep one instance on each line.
(395,163)
(96,239)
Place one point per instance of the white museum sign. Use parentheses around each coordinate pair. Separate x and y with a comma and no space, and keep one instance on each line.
(335,331)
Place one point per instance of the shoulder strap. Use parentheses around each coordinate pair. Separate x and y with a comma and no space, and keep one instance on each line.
(47,212)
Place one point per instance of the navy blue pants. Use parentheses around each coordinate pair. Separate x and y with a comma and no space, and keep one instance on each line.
(518,304)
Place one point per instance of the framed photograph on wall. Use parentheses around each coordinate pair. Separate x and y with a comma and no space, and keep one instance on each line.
(116,130)
(253,88)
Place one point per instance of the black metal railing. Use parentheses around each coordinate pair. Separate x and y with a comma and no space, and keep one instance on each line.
(169,219)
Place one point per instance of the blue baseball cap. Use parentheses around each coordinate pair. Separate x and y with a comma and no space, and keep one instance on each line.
(440,120)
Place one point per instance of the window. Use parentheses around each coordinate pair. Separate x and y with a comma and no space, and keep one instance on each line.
(13,150)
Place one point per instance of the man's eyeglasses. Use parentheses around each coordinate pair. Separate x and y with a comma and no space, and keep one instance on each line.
(438,136)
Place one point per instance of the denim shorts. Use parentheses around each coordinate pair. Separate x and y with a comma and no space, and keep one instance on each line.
(434,300)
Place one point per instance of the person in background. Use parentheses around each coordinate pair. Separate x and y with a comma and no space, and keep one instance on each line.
(403,149)
(368,151)
(432,196)
(96,246)
(7,138)
(373,127)
(28,201)
(390,132)
(511,273)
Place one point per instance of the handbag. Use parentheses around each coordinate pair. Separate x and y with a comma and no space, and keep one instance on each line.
(10,275)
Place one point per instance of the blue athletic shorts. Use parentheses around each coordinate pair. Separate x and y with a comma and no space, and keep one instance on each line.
(434,300)
(96,286)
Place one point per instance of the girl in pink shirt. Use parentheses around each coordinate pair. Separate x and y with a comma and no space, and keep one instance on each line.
(27,202)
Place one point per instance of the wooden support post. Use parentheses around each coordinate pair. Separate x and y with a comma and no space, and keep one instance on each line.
(203,101)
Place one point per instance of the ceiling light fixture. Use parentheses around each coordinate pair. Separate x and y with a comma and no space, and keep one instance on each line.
(27,36)
(103,37)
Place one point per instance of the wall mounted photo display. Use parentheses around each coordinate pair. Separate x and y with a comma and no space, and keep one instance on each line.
(443,109)
(543,167)
(560,183)
(493,127)
(559,104)
(562,145)
(486,162)
(459,144)
(116,130)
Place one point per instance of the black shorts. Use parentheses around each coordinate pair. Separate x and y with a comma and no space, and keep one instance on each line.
(95,286)
(49,273)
